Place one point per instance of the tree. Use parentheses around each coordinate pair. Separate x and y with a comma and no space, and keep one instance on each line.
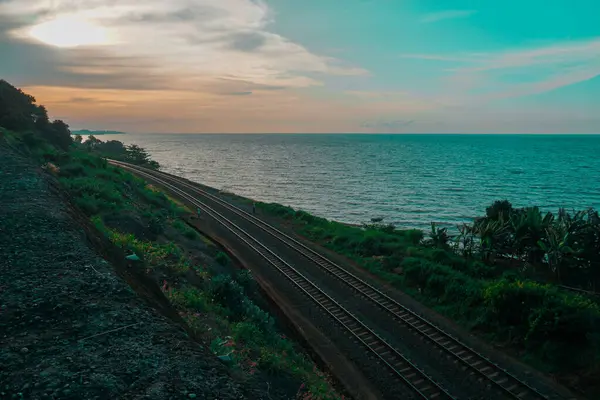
(58,134)
(112,147)
(492,236)
(18,111)
(91,143)
(137,155)
(439,236)
(499,209)
(557,249)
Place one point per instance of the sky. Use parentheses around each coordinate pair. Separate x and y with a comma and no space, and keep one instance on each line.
(310,66)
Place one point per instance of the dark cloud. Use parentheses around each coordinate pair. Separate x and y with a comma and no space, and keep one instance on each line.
(85,100)
(238,93)
(247,41)
(9,24)
(82,100)
(271,87)
(196,14)
(250,86)
(30,64)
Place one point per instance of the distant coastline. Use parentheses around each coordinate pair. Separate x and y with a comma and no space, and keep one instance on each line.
(96,133)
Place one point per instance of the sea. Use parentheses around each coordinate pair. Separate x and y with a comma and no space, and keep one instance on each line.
(408,180)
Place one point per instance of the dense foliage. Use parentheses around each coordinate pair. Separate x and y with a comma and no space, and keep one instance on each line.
(115,149)
(497,276)
(564,247)
(20,113)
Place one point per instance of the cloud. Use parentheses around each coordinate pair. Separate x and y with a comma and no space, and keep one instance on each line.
(177,43)
(238,93)
(511,73)
(447,14)
(248,41)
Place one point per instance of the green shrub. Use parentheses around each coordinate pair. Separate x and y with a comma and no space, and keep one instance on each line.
(153,197)
(277,209)
(104,195)
(248,333)
(185,229)
(258,316)
(72,169)
(89,204)
(227,292)
(190,297)
(246,280)
(440,281)
(558,327)
(156,224)
(272,362)
(222,258)
(413,236)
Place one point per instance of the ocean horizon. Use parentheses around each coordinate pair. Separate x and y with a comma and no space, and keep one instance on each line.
(409,180)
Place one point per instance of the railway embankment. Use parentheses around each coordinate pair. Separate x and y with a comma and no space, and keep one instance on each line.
(108,293)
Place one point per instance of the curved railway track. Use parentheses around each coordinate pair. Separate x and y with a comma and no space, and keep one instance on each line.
(407,372)
(505,382)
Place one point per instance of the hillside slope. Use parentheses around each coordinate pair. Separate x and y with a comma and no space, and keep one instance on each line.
(70,327)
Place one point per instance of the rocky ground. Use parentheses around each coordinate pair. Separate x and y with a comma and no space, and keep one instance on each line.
(71,327)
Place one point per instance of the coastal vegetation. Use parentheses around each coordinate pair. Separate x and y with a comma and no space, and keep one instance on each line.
(502,276)
(116,150)
(220,303)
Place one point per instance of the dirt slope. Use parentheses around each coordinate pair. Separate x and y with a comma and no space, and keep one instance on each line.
(69,326)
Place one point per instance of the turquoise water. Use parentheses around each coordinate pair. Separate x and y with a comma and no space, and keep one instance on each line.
(409,180)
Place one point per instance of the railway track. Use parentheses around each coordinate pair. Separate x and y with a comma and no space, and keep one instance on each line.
(407,372)
(494,375)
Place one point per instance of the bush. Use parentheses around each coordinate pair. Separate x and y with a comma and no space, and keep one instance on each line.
(277,209)
(190,297)
(222,258)
(272,362)
(72,169)
(185,229)
(156,224)
(442,282)
(248,333)
(413,236)
(227,292)
(104,195)
(558,327)
(89,204)
(246,280)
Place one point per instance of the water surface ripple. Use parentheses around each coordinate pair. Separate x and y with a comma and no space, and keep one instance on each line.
(409,180)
